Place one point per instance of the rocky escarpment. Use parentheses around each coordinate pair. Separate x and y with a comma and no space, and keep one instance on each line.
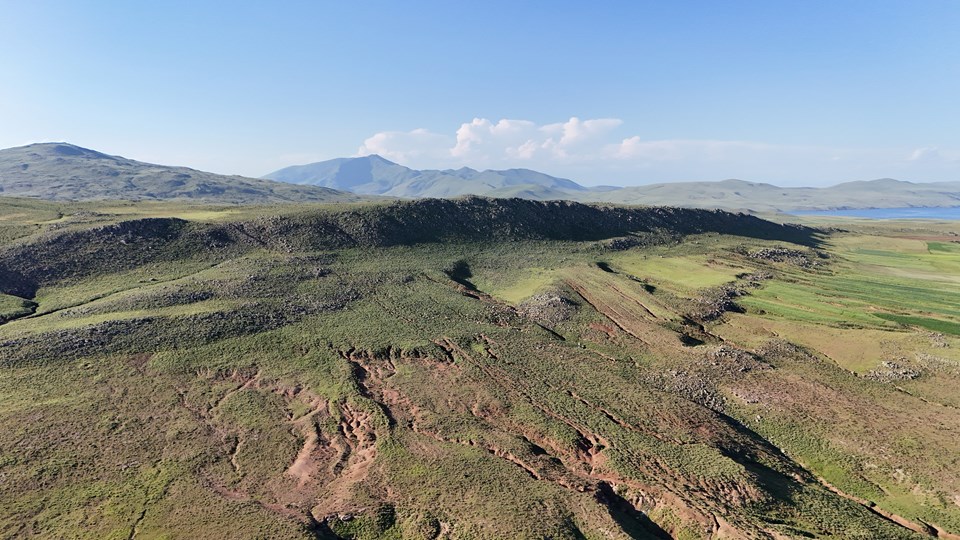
(129,244)
(479,219)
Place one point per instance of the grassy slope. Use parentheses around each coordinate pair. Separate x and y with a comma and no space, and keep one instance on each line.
(737,194)
(280,392)
(66,172)
(879,300)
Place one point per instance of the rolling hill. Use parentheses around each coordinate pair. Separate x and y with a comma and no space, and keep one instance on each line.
(377,176)
(61,171)
(761,197)
(473,368)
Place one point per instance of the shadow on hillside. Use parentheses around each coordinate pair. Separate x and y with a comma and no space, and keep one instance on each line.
(460,273)
(778,484)
(16,284)
(77,253)
(633,522)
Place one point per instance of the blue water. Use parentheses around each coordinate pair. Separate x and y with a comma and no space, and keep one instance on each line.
(888,213)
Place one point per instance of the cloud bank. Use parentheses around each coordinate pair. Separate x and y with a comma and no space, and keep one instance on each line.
(594,151)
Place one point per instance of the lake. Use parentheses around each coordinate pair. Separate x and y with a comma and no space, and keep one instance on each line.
(952,213)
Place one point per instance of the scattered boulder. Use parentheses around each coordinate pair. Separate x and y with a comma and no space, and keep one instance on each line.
(692,384)
(890,371)
(732,360)
(795,257)
(548,309)
(938,340)
(713,303)
(623,243)
(775,349)
(929,362)
(753,279)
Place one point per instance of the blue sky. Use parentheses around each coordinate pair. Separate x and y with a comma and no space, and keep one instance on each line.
(789,92)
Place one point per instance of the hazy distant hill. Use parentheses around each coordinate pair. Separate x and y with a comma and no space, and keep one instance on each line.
(377,176)
(737,194)
(66,172)
(63,171)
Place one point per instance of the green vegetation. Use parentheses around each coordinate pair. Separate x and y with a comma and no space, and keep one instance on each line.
(14,307)
(469,369)
(682,273)
(935,325)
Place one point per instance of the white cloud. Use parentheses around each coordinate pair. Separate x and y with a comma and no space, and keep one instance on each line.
(576,132)
(592,151)
(927,153)
(481,138)
(485,143)
(637,149)
(419,145)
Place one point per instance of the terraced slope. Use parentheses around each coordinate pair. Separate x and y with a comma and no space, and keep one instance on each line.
(461,369)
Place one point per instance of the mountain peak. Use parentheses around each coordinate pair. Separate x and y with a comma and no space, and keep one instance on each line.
(375,158)
(374,175)
(62,149)
(64,171)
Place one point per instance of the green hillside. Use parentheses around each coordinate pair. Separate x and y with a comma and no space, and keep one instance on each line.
(474,368)
(61,171)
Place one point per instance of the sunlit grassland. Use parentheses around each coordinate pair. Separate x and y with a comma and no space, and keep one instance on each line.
(63,322)
(871,287)
(479,413)
(683,268)
(906,258)
(72,294)
(857,311)
(12,307)
(514,287)
(685,273)
(155,210)
(858,349)
(877,300)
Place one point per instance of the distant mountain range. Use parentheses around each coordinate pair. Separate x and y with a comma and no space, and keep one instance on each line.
(61,171)
(760,197)
(377,176)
